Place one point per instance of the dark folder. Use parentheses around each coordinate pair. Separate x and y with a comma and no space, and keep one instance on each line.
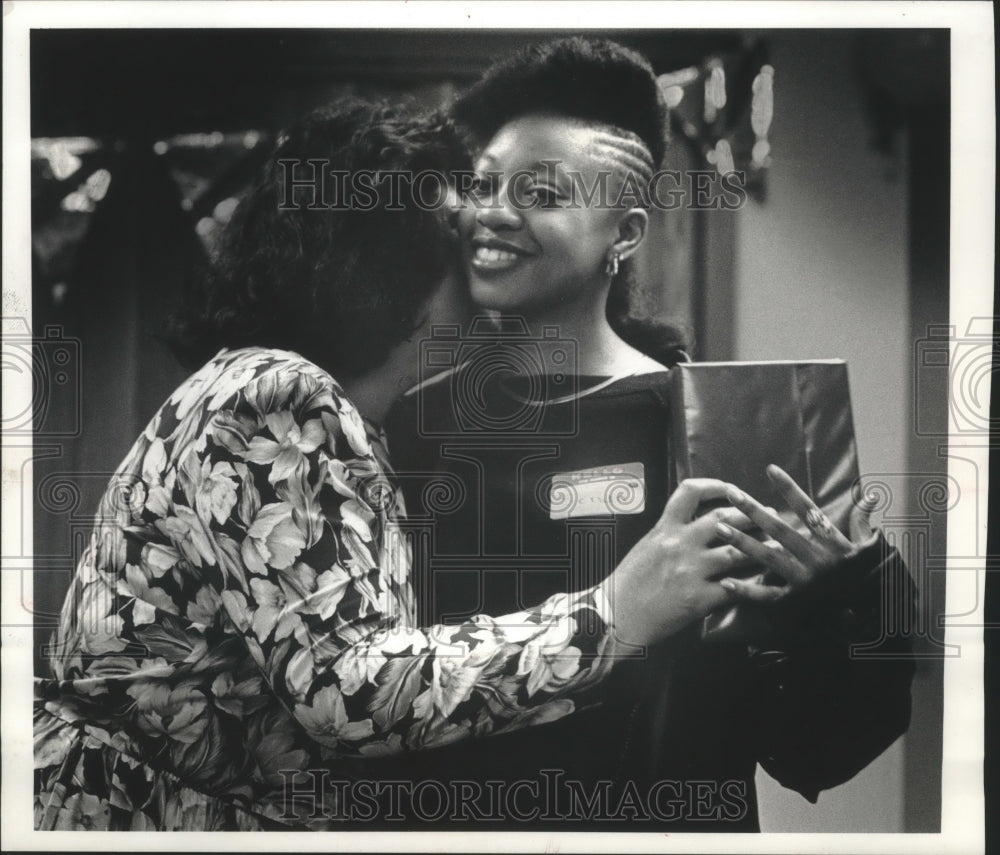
(731,419)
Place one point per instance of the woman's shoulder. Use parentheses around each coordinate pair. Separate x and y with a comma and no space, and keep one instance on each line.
(249,363)
(272,378)
(654,384)
(256,385)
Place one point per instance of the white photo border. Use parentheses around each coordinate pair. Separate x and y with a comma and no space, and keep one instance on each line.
(973,161)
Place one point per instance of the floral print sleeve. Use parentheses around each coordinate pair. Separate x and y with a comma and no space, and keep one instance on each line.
(292,516)
(245,608)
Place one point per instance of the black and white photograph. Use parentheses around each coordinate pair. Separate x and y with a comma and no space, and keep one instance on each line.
(497,426)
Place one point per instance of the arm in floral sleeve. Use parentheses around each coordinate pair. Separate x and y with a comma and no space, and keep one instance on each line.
(314,574)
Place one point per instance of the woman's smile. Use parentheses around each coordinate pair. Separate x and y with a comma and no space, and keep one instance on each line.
(485,258)
(491,255)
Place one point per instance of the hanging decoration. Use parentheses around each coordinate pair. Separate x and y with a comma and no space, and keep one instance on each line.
(761,113)
(722,110)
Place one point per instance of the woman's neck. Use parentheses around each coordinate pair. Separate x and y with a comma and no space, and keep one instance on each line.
(600,351)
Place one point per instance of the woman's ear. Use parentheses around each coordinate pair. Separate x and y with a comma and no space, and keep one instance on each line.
(631,231)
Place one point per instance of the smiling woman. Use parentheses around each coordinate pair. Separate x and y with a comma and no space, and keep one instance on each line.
(573,134)
(570,139)
(533,246)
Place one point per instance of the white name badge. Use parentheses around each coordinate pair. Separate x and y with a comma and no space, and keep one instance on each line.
(601,491)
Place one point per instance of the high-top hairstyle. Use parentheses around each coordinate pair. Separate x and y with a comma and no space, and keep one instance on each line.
(604,85)
(341,286)
(595,80)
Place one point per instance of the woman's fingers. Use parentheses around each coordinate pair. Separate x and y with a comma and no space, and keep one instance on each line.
(771,554)
(703,528)
(796,498)
(725,559)
(755,590)
(805,508)
(690,493)
(773,525)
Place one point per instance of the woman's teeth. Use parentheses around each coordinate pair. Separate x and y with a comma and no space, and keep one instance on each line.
(493,259)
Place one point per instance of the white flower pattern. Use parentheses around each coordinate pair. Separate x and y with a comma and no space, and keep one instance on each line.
(272,599)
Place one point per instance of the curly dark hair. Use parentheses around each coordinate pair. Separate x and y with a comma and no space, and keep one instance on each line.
(341,284)
(597,81)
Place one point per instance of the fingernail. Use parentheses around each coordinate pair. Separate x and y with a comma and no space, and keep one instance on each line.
(723,529)
(734,495)
(728,584)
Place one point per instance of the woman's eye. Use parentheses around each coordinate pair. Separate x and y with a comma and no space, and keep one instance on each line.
(481,185)
(546,196)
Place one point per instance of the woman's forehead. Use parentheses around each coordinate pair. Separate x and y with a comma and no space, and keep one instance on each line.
(527,141)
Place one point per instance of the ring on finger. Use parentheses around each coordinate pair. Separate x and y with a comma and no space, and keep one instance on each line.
(819,523)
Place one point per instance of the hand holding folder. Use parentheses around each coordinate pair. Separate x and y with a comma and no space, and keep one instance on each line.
(731,420)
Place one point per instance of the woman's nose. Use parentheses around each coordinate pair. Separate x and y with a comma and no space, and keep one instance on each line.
(497,212)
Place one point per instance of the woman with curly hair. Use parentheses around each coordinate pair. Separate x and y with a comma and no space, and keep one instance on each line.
(241,633)
(569,135)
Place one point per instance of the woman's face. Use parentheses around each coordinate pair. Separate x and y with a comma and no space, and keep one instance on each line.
(524,259)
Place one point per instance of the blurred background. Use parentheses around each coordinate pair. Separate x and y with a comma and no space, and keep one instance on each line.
(143,142)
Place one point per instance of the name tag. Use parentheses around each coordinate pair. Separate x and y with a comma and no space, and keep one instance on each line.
(601,491)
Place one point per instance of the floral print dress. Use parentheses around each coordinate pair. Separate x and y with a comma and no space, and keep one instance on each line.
(244,610)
